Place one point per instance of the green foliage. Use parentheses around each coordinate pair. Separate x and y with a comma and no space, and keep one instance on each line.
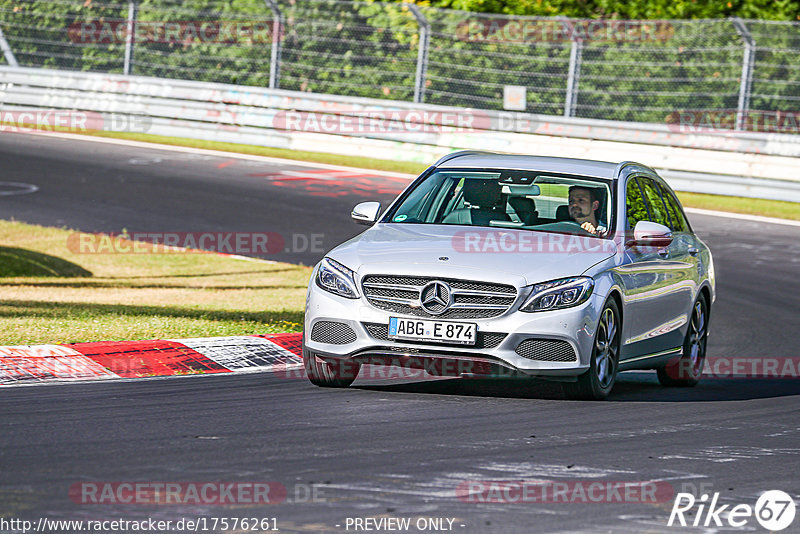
(40,36)
(350,49)
(641,9)
(369,49)
(636,207)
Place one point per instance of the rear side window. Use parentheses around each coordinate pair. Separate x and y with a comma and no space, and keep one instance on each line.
(635,206)
(652,194)
(677,218)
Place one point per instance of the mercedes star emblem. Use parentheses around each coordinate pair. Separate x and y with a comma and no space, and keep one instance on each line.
(436,297)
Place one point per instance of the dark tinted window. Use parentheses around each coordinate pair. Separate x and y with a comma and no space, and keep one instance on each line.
(677,218)
(658,213)
(634,204)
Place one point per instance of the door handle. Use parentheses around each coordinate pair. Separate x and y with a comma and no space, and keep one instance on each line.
(693,251)
(664,252)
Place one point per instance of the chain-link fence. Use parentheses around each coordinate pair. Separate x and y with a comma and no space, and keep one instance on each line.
(604,69)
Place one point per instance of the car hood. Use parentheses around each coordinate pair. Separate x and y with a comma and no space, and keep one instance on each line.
(519,257)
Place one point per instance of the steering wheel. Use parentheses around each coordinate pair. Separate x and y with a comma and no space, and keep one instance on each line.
(578,225)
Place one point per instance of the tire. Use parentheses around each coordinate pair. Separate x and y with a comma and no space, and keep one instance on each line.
(329,375)
(598,381)
(687,370)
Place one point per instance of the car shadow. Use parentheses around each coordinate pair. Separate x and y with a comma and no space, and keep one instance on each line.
(630,387)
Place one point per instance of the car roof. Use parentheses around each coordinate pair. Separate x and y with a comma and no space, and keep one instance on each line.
(489,160)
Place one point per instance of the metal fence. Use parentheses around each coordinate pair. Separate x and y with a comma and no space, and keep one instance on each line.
(646,71)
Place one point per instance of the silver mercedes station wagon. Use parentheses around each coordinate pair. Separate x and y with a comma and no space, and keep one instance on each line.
(510,265)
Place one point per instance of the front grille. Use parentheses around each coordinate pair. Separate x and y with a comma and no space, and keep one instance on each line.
(333,333)
(470,299)
(546,350)
(484,340)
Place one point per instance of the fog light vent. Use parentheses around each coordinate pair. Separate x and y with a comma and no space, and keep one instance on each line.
(546,350)
(333,333)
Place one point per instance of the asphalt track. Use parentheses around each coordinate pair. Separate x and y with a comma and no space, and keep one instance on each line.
(384,448)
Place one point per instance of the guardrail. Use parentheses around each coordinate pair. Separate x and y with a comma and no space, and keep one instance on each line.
(732,163)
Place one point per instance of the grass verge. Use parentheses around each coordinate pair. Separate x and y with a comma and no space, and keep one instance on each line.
(750,206)
(54,295)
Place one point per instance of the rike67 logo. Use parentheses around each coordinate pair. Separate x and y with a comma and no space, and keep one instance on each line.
(774,510)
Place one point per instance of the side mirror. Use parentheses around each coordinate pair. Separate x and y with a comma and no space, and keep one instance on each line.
(650,234)
(366,212)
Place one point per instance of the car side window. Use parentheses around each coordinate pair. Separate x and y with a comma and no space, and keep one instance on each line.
(635,206)
(678,219)
(658,213)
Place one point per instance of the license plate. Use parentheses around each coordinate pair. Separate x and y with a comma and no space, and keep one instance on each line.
(434,331)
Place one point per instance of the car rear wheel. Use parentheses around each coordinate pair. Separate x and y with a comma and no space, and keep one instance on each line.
(686,370)
(325,374)
(597,382)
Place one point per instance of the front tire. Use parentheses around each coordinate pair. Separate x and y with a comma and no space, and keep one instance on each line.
(598,381)
(329,375)
(686,370)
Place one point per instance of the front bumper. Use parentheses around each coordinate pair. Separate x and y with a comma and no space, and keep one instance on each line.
(575,326)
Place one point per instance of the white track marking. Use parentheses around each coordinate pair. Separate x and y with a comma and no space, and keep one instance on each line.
(726,454)
(243,353)
(37,363)
(24,189)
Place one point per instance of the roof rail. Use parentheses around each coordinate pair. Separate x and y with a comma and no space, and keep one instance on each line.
(460,153)
(622,164)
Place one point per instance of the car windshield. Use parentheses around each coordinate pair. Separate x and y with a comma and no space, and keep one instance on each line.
(526,200)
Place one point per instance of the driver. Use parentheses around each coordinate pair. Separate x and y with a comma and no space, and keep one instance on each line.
(583,204)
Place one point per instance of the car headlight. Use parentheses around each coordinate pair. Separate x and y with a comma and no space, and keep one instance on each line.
(559,294)
(335,278)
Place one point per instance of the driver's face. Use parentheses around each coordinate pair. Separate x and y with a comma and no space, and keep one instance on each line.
(580,204)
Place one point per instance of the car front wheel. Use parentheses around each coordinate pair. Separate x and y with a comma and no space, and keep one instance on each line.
(338,374)
(597,382)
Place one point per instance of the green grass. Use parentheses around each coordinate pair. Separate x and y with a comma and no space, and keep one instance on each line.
(750,206)
(52,294)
